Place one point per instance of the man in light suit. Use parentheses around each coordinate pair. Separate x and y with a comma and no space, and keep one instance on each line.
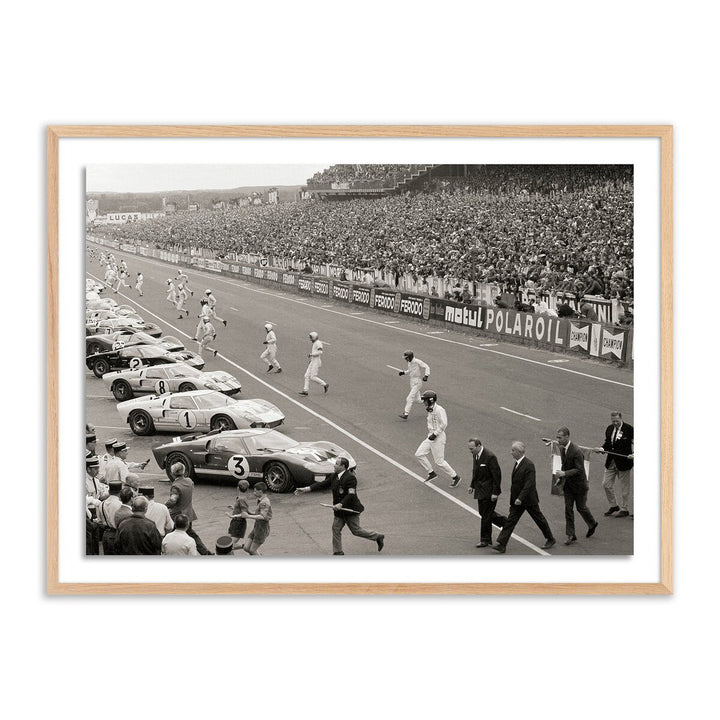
(485,485)
(620,447)
(523,496)
(575,486)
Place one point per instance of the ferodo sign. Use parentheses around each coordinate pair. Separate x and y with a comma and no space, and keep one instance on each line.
(340,291)
(385,300)
(360,295)
(321,287)
(540,328)
(415,305)
(305,284)
(289,279)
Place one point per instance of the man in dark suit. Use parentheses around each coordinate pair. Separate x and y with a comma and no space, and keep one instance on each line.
(485,485)
(346,505)
(619,446)
(575,486)
(523,496)
(180,502)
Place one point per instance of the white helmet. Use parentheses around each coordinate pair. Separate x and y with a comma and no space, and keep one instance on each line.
(268,326)
(314,336)
(208,292)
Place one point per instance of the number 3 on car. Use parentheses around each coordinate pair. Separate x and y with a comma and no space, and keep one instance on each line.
(238,466)
(187,419)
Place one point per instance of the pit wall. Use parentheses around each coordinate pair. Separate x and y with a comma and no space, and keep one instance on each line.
(572,336)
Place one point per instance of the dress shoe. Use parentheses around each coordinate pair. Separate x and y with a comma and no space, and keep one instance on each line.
(499,548)
(482,544)
(340,553)
(622,513)
(611,510)
(570,540)
(302,392)
(591,530)
(380,542)
(548,544)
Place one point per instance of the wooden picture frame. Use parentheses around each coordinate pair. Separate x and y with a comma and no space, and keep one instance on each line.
(663,133)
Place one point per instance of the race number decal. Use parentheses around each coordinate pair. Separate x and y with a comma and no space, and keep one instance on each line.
(161,387)
(108,330)
(238,466)
(187,419)
(118,345)
(135,363)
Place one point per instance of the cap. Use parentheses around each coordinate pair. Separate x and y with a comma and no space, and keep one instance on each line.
(109,443)
(148,492)
(115,486)
(224,545)
(118,446)
(92,462)
(90,437)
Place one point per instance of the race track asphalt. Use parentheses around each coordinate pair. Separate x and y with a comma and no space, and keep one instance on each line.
(499,392)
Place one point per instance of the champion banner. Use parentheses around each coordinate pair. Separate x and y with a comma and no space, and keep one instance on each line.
(556,465)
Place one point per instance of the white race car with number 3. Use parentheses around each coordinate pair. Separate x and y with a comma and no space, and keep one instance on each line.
(197,410)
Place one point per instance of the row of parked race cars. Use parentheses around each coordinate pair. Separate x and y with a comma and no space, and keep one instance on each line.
(161,387)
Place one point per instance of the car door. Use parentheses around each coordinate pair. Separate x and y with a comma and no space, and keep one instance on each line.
(227,456)
(179,413)
(155,380)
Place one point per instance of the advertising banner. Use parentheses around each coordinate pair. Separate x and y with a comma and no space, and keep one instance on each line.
(415,305)
(305,284)
(340,291)
(321,287)
(458,313)
(579,335)
(537,328)
(362,295)
(386,300)
(289,278)
(612,343)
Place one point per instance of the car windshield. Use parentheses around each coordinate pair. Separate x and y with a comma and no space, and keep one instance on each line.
(143,338)
(269,441)
(150,351)
(183,371)
(213,400)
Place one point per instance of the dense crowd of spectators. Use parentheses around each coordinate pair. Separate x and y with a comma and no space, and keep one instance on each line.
(359,174)
(562,228)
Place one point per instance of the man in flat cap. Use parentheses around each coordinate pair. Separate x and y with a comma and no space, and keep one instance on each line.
(136,535)
(157,512)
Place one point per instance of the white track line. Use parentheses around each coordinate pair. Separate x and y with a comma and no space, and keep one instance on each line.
(391,322)
(515,412)
(347,433)
(436,332)
(483,348)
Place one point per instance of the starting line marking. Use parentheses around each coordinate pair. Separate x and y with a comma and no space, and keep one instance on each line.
(515,412)
(342,430)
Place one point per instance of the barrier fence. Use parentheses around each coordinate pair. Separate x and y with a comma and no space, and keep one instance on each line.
(594,339)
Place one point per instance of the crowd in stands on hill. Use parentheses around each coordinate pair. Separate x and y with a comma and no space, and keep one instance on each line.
(362,174)
(563,228)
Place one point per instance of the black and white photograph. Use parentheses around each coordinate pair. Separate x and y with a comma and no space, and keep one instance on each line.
(360,359)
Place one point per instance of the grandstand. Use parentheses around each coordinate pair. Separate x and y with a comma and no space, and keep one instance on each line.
(553,228)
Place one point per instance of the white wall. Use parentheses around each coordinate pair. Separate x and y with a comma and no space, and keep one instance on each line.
(372,62)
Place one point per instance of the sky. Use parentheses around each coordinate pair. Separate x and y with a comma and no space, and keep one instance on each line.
(154,178)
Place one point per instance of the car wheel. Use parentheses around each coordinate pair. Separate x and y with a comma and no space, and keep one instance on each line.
(122,391)
(141,423)
(94,348)
(176,457)
(277,478)
(100,367)
(222,422)
(187,387)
